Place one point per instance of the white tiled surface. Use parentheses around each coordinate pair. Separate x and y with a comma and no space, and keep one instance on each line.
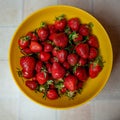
(14,106)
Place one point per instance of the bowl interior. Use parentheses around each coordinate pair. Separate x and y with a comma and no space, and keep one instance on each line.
(93,86)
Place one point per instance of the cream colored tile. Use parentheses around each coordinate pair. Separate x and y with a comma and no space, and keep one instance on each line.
(106,110)
(83,4)
(31,111)
(80,113)
(5,39)
(107,11)
(8,88)
(9,109)
(10,12)
(33,5)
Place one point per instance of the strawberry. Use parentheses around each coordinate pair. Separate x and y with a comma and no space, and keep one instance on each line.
(84,30)
(27,63)
(57,71)
(60,23)
(26,51)
(52,29)
(76,37)
(72,59)
(63,90)
(49,67)
(79,85)
(38,66)
(52,94)
(93,53)
(44,56)
(55,51)
(74,24)
(32,36)
(35,47)
(59,39)
(82,50)
(53,59)
(27,74)
(70,82)
(24,42)
(31,84)
(34,78)
(81,74)
(93,41)
(48,47)
(82,62)
(62,55)
(66,65)
(95,67)
(43,32)
(42,77)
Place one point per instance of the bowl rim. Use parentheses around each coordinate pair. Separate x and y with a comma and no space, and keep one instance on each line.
(111,52)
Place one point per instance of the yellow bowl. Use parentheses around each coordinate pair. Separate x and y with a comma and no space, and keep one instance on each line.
(93,86)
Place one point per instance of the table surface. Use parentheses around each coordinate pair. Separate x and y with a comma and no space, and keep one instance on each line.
(15,106)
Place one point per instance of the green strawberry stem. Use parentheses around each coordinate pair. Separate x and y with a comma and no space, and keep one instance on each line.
(60,17)
(43,24)
(85,39)
(67,30)
(99,61)
(90,24)
(73,35)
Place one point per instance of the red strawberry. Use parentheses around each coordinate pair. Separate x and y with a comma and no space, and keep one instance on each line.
(57,71)
(32,36)
(43,32)
(63,90)
(31,84)
(95,67)
(44,56)
(62,55)
(81,74)
(26,51)
(74,24)
(24,42)
(34,78)
(70,82)
(27,63)
(55,51)
(60,23)
(84,30)
(82,61)
(93,53)
(38,66)
(93,41)
(35,47)
(52,28)
(53,59)
(27,74)
(49,67)
(76,37)
(42,77)
(82,49)
(79,85)
(66,65)
(48,47)
(72,59)
(59,39)
(52,94)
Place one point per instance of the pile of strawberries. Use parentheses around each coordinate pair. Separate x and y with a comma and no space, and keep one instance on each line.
(58,58)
